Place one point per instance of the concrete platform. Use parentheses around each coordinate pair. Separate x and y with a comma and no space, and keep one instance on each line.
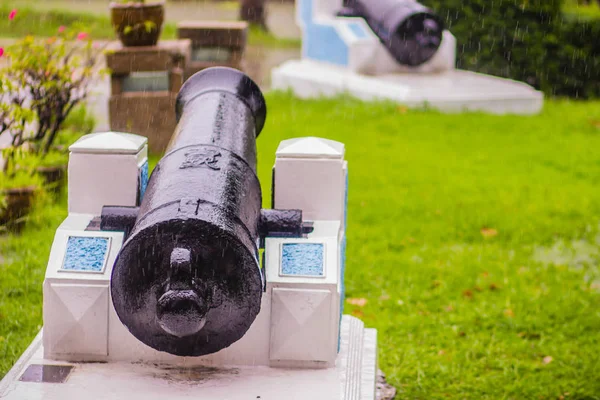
(450,91)
(353,378)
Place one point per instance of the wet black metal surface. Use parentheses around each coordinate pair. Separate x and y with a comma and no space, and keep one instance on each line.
(187,280)
(411,32)
(283,223)
(117,218)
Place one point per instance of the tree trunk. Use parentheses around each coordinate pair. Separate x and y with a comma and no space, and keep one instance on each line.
(254,11)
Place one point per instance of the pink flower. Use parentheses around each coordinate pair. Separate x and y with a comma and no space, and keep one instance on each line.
(62,28)
(12,14)
(82,36)
(1,51)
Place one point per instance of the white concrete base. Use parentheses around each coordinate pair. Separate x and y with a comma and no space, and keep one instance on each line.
(353,377)
(450,91)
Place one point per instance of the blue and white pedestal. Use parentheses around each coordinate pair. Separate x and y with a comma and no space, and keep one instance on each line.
(299,347)
(343,56)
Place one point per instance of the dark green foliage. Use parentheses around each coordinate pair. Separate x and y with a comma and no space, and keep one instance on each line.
(526,40)
(579,59)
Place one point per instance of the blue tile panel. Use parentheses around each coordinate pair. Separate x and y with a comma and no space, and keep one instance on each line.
(358,30)
(85,253)
(322,42)
(143,184)
(302,259)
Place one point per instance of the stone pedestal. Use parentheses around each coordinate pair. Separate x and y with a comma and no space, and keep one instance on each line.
(299,347)
(214,43)
(343,56)
(144,86)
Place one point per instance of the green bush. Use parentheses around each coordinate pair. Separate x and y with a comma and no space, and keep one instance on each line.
(526,40)
(578,58)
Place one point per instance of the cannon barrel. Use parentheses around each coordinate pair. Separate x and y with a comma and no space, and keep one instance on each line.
(411,32)
(187,280)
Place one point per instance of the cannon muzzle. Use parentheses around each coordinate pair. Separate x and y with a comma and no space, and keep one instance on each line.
(187,280)
(411,32)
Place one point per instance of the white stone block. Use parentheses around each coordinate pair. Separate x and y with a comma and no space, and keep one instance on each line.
(310,175)
(300,329)
(305,309)
(75,320)
(74,227)
(315,187)
(76,291)
(107,169)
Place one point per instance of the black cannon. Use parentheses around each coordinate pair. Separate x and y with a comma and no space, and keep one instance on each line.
(187,280)
(411,32)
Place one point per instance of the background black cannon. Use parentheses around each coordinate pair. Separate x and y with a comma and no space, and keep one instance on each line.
(411,32)
(187,280)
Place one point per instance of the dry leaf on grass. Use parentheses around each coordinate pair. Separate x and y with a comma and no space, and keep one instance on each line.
(488,232)
(402,109)
(360,302)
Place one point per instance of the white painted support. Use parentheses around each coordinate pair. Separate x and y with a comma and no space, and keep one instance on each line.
(76,302)
(310,175)
(106,169)
(305,309)
(81,324)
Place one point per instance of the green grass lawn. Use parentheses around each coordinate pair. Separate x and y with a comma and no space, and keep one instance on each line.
(473,239)
(45,22)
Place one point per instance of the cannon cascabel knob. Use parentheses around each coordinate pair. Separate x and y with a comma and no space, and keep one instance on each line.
(181,310)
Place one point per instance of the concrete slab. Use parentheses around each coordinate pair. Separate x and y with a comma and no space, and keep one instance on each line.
(450,91)
(353,377)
